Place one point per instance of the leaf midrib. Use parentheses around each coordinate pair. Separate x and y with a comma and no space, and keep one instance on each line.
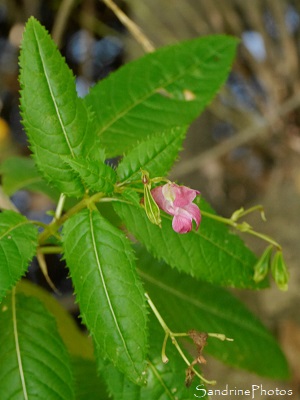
(105,288)
(150,94)
(16,338)
(52,96)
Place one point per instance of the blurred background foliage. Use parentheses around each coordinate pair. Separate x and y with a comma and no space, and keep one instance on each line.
(243,150)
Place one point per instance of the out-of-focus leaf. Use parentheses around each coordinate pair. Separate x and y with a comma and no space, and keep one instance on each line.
(88,385)
(18,242)
(77,342)
(21,173)
(34,361)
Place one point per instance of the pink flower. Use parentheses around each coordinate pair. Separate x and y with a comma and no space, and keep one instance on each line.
(177,200)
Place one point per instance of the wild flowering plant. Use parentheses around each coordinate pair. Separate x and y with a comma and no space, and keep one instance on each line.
(169,279)
(178,201)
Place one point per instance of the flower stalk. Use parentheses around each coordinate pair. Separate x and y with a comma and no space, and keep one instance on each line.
(173,335)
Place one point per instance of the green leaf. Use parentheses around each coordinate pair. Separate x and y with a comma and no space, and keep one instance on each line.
(108,290)
(76,341)
(156,155)
(164,381)
(164,89)
(212,253)
(55,119)
(34,361)
(97,176)
(21,173)
(88,386)
(186,303)
(18,241)
(131,196)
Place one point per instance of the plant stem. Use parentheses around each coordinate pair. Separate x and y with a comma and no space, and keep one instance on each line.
(252,209)
(243,227)
(56,223)
(169,333)
(265,238)
(43,266)
(50,250)
(60,206)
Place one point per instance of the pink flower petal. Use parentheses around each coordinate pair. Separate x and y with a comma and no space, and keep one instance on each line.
(194,212)
(184,195)
(181,224)
(159,197)
(177,201)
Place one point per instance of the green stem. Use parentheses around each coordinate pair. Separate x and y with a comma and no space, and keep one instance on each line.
(56,223)
(253,209)
(220,336)
(157,314)
(169,333)
(60,206)
(265,238)
(224,220)
(127,182)
(243,227)
(180,334)
(51,250)
(163,349)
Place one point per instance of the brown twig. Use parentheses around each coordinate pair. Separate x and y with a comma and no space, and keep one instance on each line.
(132,27)
(62,15)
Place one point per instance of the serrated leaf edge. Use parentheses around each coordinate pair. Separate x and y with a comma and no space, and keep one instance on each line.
(106,292)
(149,94)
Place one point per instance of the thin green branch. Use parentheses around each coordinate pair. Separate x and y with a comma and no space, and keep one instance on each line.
(60,206)
(244,226)
(169,333)
(56,223)
(50,250)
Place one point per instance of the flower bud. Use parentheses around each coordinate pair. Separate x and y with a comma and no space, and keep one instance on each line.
(279,271)
(151,208)
(262,266)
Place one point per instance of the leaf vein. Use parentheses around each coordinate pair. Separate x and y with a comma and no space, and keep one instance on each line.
(106,289)
(53,98)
